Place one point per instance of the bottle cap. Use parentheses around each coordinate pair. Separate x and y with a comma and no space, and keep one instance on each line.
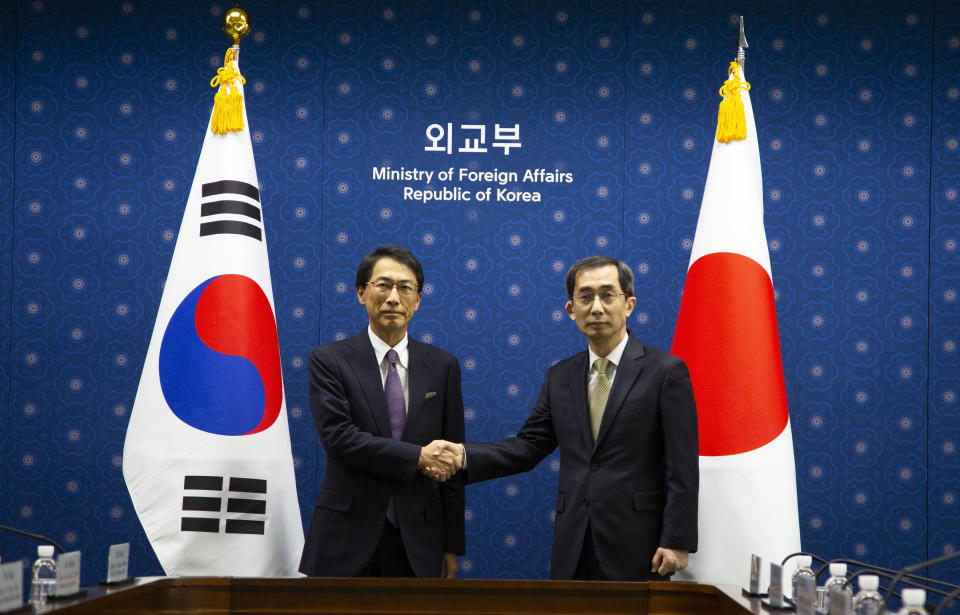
(913,596)
(45,550)
(804,561)
(869,582)
(838,569)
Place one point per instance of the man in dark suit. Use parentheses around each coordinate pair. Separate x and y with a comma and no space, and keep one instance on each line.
(379,401)
(624,417)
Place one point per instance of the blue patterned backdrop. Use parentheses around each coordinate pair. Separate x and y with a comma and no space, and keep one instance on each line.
(103,108)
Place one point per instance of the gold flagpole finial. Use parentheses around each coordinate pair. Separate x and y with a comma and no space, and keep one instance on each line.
(236,23)
(228,103)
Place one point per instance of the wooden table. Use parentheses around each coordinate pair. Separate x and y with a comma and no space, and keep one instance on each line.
(228,595)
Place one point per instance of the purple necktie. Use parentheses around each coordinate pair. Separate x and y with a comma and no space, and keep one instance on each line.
(394,391)
(398,413)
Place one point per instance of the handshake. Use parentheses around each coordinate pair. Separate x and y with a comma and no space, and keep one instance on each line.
(441,459)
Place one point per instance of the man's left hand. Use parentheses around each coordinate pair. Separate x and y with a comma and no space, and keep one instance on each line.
(450,565)
(667,560)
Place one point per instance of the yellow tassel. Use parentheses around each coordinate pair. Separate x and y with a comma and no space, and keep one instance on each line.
(228,103)
(731,119)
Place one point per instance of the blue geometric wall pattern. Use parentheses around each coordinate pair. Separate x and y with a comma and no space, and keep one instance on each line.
(7,162)
(943,288)
(103,107)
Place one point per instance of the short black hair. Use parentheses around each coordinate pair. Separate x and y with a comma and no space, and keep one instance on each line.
(401,255)
(593,262)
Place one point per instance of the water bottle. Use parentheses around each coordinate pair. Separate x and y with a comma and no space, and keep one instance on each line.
(868,600)
(913,602)
(837,579)
(803,570)
(840,598)
(43,580)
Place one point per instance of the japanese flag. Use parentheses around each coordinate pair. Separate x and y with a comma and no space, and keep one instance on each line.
(727,334)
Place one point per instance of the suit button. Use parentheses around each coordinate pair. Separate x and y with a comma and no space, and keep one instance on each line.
(594,467)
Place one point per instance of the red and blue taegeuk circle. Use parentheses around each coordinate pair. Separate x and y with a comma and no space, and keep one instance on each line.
(220,360)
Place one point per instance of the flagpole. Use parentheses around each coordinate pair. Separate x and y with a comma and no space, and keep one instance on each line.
(742,46)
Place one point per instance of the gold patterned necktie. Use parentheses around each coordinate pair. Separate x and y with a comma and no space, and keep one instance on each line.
(598,401)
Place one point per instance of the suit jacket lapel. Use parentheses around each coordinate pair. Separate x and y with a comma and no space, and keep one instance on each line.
(363,361)
(418,379)
(577,377)
(631,365)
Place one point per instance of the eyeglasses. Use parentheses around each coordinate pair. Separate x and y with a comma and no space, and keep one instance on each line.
(404,288)
(607,298)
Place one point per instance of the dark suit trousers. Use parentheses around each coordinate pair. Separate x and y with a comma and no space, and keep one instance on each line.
(390,558)
(588,566)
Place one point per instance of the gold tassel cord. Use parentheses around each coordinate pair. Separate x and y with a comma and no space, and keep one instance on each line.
(228,103)
(731,119)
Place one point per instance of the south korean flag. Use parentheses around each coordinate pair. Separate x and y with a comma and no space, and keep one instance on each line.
(207,456)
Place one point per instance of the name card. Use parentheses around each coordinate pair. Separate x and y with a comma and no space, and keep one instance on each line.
(11,587)
(755,575)
(776,586)
(68,574)
(117,562)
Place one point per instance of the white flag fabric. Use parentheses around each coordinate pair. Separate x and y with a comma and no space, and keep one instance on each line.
(727,334)
(207,456)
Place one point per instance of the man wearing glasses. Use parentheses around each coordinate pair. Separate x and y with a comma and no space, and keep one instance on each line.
(624,417)
(379,401)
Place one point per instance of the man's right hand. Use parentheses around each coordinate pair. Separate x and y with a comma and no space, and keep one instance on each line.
(440,459)
(457,448)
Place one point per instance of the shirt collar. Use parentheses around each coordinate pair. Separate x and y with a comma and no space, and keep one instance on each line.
(380,348)
(613,357)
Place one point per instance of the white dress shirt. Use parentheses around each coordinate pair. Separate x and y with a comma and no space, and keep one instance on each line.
(614,360)
(380,349)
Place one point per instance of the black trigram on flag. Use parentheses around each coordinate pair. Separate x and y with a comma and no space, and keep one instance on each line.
(238,502)
(233,215)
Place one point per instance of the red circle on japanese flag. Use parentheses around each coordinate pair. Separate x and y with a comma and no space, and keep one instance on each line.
(727,334)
